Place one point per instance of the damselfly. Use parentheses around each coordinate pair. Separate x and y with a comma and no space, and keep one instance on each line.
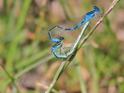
(58,41)
(87,17)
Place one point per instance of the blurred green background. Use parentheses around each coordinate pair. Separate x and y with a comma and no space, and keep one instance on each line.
(26,62)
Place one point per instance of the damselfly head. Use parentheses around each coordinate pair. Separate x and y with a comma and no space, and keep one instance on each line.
(96,9)
(97,12)
(61,38)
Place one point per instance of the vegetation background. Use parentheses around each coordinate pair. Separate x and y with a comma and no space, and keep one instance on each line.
(26,62)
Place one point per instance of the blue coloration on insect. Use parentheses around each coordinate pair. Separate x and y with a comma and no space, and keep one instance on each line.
(55,40)
(59,40)
(87,17)
(56,48)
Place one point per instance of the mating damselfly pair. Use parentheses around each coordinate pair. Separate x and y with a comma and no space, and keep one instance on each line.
(57,49)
